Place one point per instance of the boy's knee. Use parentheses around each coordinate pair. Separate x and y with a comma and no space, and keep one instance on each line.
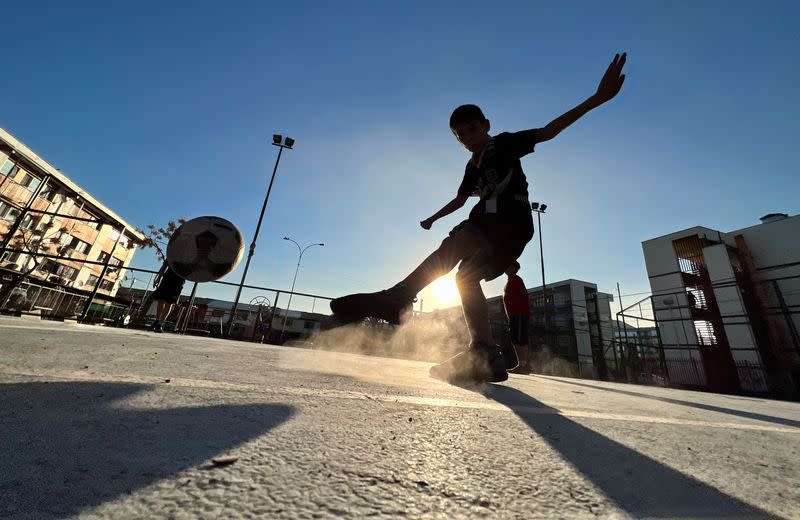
(468,275)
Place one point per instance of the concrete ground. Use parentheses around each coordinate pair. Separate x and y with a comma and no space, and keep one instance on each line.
(108,423)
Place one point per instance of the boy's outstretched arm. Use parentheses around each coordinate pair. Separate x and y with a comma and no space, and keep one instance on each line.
(448,208)
(609,87)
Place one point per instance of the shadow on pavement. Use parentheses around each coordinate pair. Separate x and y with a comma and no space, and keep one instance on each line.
(70,446)
(635,482)
(702,406)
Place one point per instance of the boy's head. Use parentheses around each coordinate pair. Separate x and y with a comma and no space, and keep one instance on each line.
(470,127)
(513,268)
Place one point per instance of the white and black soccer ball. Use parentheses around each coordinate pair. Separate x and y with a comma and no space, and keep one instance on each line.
(205,249)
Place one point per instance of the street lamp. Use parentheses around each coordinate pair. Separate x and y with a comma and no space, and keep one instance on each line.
(539,209)
(302,250)
(281,143)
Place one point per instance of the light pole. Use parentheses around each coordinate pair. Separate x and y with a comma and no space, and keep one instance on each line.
(539,209)
(302,250)
(281,143)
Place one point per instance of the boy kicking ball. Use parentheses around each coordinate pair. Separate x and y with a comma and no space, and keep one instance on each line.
(494,235)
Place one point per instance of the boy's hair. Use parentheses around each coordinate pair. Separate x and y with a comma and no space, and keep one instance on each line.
(515,266)
(466,113)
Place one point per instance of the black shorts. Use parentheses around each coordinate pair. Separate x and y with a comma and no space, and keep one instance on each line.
(503,240)
(169,290)
(518,327)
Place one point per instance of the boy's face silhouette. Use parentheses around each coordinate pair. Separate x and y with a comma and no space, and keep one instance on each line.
(472,134)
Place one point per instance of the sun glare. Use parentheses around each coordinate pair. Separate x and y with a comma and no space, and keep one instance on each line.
(444,290)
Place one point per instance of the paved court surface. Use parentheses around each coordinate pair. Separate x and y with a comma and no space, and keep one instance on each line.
(107,423)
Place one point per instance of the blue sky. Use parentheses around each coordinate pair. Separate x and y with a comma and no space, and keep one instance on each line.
(166,111)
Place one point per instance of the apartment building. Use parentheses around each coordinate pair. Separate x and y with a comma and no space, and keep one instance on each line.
(43,212)
(728,305)
(575,340)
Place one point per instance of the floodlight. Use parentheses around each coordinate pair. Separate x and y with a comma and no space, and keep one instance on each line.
(289,142)
(543,207)
(277,138)
(534,206)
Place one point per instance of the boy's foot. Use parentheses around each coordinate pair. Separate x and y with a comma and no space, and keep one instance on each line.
(390,305)
(481,363)
(156,327)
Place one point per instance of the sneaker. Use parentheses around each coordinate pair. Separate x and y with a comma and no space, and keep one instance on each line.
(481,363)
(156,327)
(390,305)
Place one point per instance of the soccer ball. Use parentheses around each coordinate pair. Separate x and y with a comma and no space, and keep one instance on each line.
(205,249)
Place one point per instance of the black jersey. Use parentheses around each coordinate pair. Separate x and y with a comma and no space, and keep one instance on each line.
(498,179)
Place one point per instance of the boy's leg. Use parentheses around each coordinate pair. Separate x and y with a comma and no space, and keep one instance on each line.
(156,325)
(456,247)
(522,355)
(389,304)
(483,361)
(164,308)
(473,302)
(519,338)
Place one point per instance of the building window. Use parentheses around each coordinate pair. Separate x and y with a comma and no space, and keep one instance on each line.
(48,266)
(79,245)
(30,182)
(103,256)
(8,212)
(95,224)
(92,281)
(8,168)
(68,273)
(10,256)
(63,271)
(48,193)
(29,221)
(115,261)
(107,285)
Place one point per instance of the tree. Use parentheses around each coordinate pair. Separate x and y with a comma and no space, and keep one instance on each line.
(157,237)
(33,241)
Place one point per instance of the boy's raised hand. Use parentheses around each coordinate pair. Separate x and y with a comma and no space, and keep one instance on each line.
(612,80)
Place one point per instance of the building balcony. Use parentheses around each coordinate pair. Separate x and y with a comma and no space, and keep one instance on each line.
(15,192)
(82,231)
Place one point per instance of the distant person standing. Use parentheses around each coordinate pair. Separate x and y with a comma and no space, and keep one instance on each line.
(517,305)
(168,289)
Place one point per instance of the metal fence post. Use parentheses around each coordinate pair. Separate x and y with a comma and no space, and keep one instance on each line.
(189,309)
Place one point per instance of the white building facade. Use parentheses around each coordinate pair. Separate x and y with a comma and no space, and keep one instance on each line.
(728,306)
